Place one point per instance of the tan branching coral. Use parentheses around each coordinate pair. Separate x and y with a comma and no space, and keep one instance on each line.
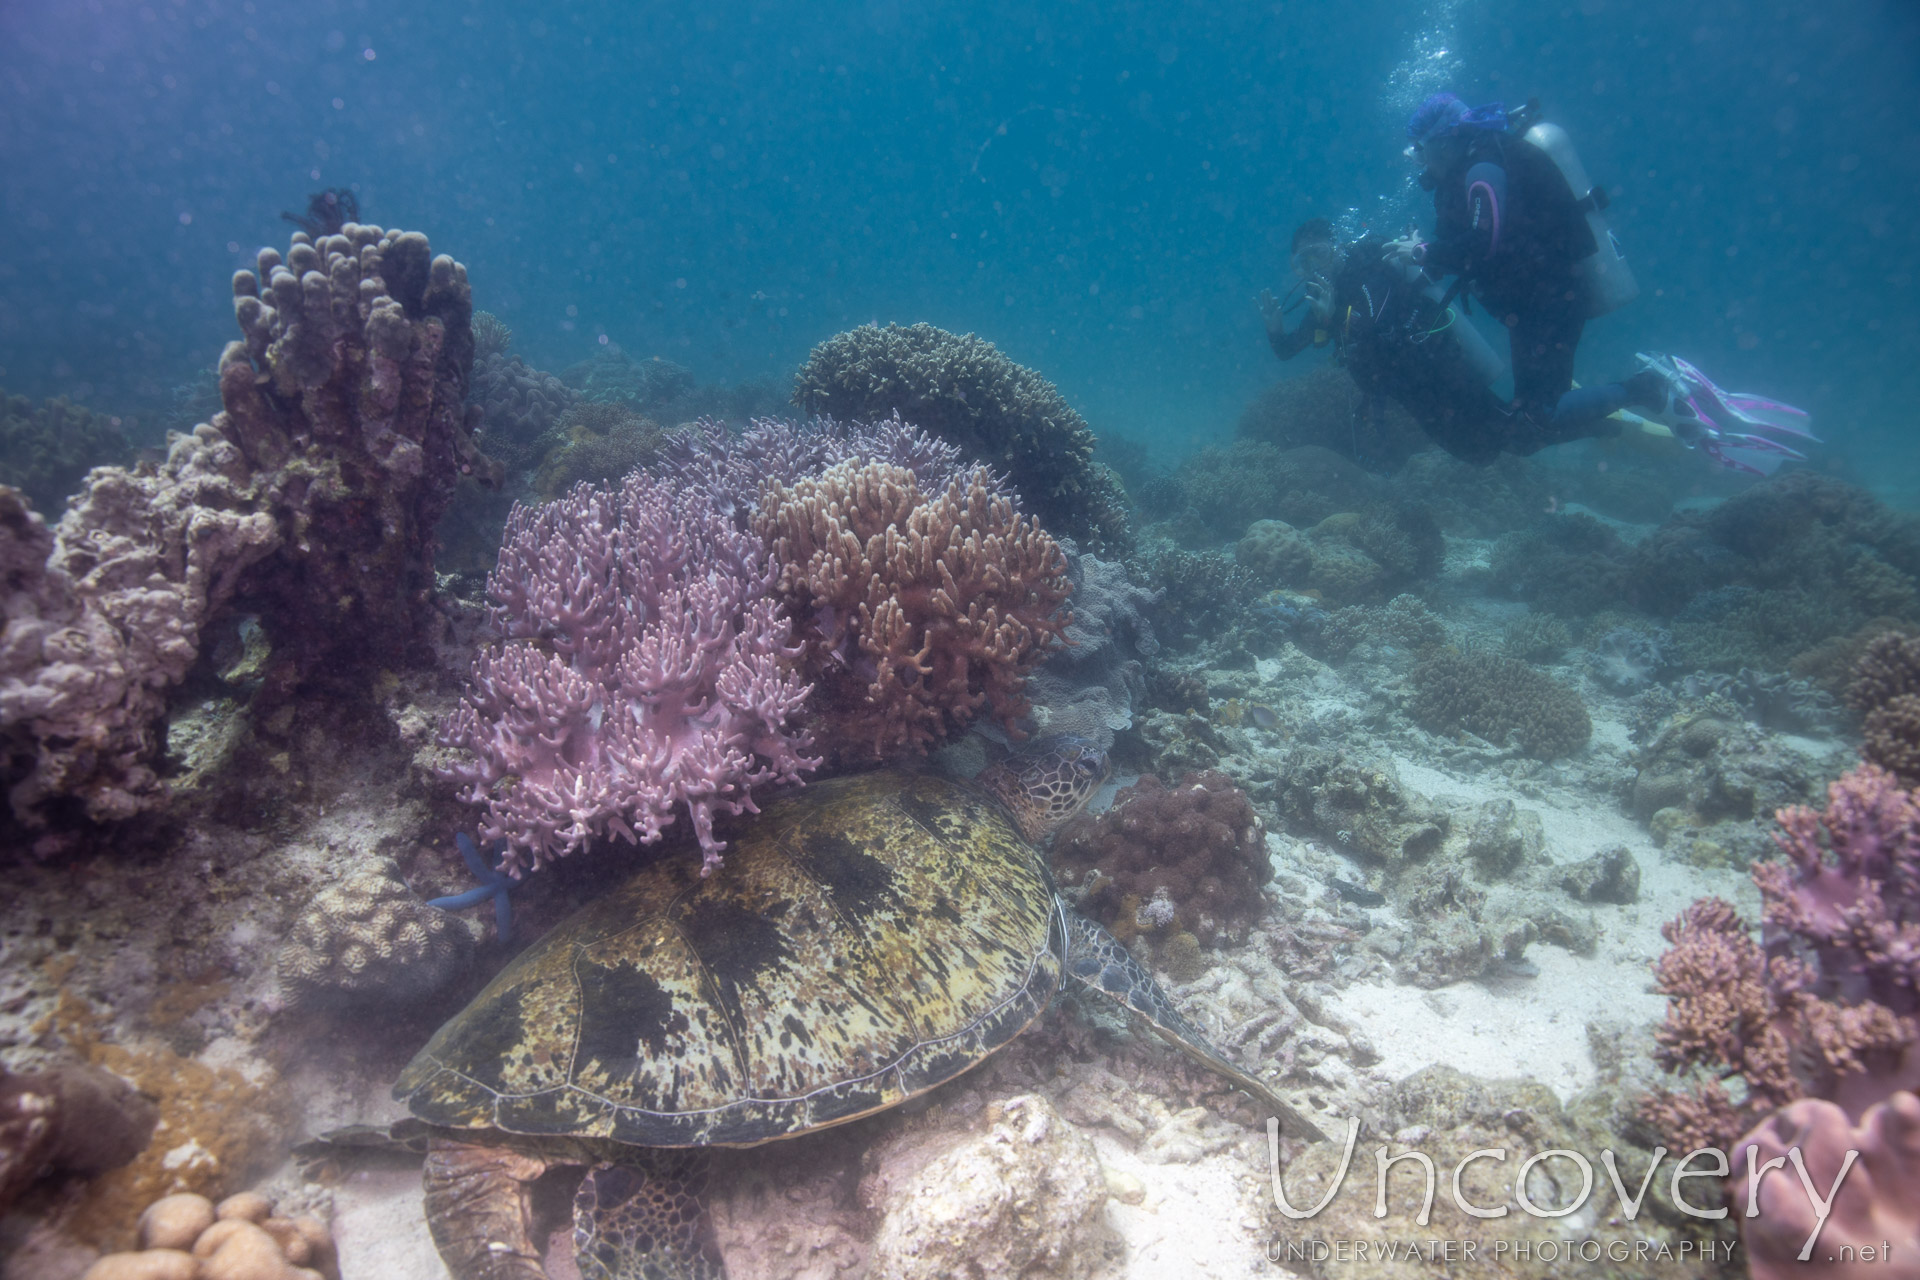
(917,612)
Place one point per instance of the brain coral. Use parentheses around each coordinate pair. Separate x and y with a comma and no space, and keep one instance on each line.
(960,388)
(368,939)
(1170,860)
(1499,699)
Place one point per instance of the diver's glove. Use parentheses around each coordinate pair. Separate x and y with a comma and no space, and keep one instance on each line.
(1320,298)
(1405,252)
(1274,314)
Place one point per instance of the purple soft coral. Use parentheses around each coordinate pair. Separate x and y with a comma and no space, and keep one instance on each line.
(642,665)
(1854,896)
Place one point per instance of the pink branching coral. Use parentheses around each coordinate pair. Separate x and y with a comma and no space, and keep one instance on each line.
(1827,1007)
(918,610)
(643,665)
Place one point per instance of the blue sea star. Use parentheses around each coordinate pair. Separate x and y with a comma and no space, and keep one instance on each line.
(494,883)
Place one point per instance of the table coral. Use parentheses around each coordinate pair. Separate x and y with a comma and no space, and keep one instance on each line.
(916,611)
(1166,861)
(963,390)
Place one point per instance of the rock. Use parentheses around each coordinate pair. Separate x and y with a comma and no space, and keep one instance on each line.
(1612,875)
(148,1264)
(175,1222)
(1022,1196)
(1504,838)
(1124,1187)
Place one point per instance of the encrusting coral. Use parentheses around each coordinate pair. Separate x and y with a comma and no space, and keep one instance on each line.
(962,389)
(312,495)
(917,612)
(1165,861)
(1499,699)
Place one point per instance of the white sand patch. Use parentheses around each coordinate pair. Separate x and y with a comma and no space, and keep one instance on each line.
(381,1229)
(1536,1026)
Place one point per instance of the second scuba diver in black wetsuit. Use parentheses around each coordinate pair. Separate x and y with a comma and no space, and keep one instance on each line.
(1508,224)
(1398,339)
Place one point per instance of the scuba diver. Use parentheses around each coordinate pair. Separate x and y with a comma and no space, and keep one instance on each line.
(1518,222)
(1398,338)
(1519,225)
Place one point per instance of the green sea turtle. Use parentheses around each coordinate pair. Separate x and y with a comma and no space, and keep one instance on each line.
(867,939)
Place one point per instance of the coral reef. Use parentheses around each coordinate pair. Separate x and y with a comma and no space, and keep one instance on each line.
(188,1237)
(1359,805)
(1871,1220)
(1564,564)
(595,442)
(1476,501)
(1404,623)
(614,377)
(1500,700)
(367,941)
(1886,691)
(960,388)
(1091,685)
(70,1119)
(1202,595)
(1022,1195)
(1536,637)
(642,665)
(1275,552)
(1826,1007)
(47,449)
(1770,699)
(1709,781)
(1166,861)
(521,405)
(915,611)
(1449,1118)
(1628,659)
(1323,407)
(1226,490)
(312,495)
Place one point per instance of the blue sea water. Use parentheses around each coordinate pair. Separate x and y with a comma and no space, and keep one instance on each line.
(1099,189)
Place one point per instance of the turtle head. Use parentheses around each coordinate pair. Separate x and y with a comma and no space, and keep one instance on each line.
(1047,783)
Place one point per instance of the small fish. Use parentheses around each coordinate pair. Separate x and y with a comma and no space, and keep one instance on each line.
(1358,894)
(1262,717)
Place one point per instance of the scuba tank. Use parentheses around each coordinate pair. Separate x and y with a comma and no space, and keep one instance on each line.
(1608,279)
(1474,349)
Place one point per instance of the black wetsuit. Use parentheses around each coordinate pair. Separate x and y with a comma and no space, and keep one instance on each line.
(1391,338)
(1506,223)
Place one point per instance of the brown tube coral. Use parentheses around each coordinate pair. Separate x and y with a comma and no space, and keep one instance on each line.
(916,612)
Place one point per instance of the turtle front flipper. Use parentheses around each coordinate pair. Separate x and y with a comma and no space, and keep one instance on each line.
(1097,959)
(641,1218)
(479,1202)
